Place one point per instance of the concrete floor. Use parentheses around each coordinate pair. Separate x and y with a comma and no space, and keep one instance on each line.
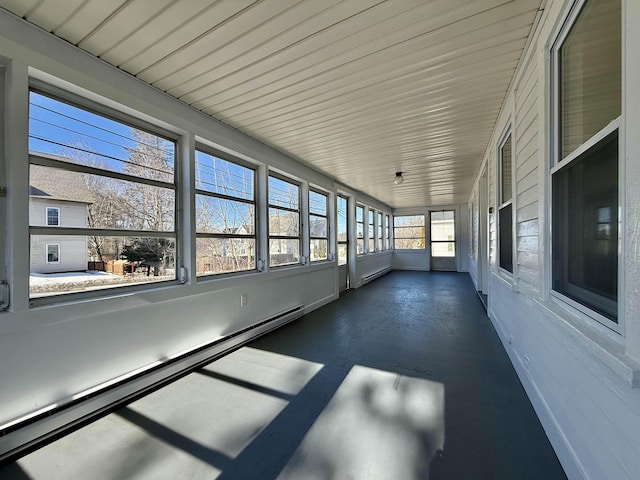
(404,378)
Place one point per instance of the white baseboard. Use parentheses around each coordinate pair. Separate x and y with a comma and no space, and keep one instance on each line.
(561,445)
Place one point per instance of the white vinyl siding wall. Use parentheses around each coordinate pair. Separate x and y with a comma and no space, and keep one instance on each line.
(72,214)
(526,155)
(73,253)
(583,379)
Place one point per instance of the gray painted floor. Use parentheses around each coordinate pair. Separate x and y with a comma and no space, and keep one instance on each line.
(404,378)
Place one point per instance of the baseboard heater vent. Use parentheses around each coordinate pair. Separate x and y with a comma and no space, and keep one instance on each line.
(24,435)
(373,276)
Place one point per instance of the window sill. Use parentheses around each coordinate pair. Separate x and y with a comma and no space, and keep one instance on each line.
(506,278)
(605,344)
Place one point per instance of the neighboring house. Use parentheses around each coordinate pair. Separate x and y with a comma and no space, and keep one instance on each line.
(57,199)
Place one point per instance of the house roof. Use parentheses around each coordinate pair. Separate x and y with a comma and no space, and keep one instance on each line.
(56,184)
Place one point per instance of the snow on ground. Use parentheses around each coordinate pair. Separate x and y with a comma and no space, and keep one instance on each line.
(71,277)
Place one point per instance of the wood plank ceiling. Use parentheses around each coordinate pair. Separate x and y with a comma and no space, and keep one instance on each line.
(358,89)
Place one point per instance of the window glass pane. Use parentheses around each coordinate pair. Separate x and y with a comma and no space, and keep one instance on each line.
(590,73)
(318,226)
(408,220)
(585,229)
(53,253)
(111,262)
(317,203)
(283,223)
(318,250)
(223,255)
(359,230)
(443,226)
(409,232)
(409,243)
(78,136)
(283,194)
(505,160)
(506,238)
(443,249)
(217,175)
(342,219)
(53,217)
(283,251)
(96,201)
(67,135)
(342,254)
(219,215)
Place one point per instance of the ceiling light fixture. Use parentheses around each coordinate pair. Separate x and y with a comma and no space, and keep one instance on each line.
(399,178)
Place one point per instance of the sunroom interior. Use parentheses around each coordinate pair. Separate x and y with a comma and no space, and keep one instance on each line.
(180,179)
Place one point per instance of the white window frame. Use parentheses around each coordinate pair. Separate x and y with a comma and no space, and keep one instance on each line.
(46,216)
(231,236)
(423,238)
(46,253)
(364,236)
(345,242)
(556,164)
(505,203)
(298,211)
(387,239)
(380,231)
(326,217)
(91,106)
(371,230)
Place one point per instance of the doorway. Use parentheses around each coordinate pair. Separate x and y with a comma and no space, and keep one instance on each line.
(343,244)
(442,226)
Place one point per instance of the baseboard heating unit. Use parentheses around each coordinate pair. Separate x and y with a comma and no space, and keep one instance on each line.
(372,276)
(25,434)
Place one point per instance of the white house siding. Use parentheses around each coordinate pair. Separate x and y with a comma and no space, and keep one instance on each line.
(525,132)
(73,249)
(73,254)
(72,214)
(579,375)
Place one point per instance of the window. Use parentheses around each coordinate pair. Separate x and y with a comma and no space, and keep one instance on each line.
(318,226)
(443,233)
(371,232)
(53,217)
(359,230)
(53,253)
(409,232)
(585,211)
(284,222)
(505,219)
(343,235)
(116,178)
(387,240)
(380,244)
(225,215)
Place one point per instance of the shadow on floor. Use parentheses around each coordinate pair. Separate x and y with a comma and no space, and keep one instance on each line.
(403,378)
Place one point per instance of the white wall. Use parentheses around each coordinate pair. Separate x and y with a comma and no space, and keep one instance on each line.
(52,352)
(581,377)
